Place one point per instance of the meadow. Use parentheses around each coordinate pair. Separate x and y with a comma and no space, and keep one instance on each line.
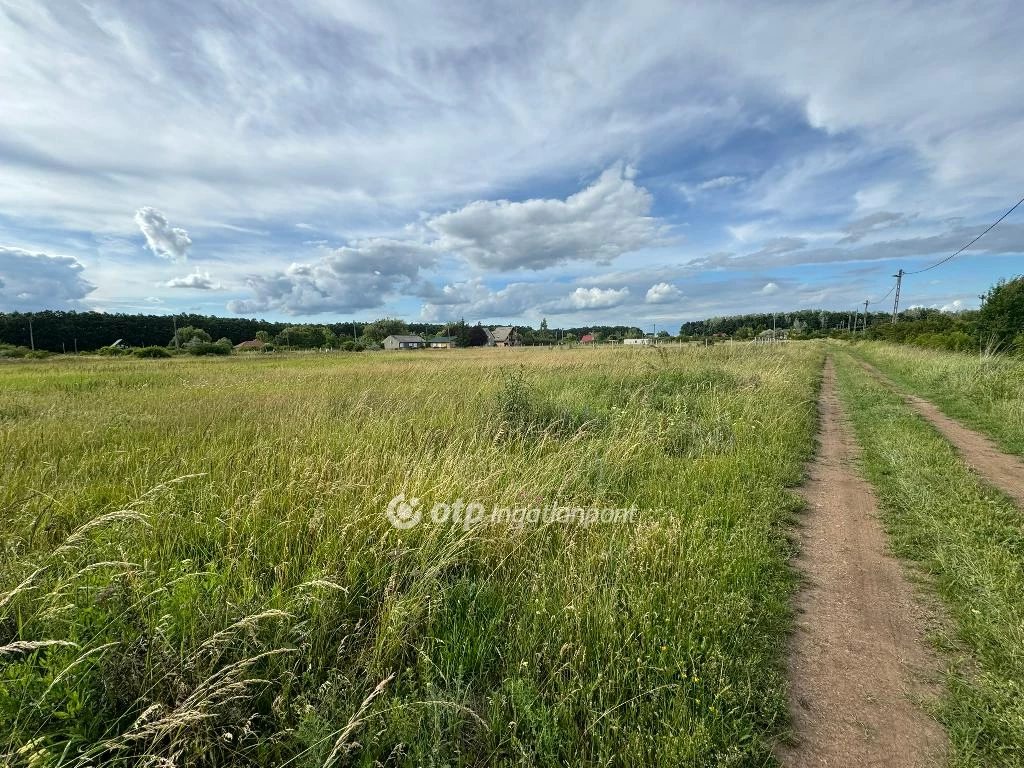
(197,568)
(985,392)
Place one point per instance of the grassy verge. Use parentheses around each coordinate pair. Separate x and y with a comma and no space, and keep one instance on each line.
(969,538)
(196,566)
(986,393)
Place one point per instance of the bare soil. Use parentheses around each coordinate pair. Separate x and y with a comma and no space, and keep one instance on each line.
(859,666)
(979,452)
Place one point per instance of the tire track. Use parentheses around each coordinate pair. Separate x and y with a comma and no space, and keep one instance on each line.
(857,656)
(979,452)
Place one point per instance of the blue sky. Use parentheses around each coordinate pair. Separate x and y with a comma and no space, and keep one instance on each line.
(588,163)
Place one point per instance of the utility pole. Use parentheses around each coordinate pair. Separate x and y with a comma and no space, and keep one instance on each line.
(31,338)
(896,301)
(865,327)
(177,346)
(76,345)
(851,324)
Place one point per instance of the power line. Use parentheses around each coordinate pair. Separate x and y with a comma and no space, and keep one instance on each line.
(953,255)
(887,294)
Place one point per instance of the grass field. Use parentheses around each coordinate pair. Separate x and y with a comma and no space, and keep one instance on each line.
(967,539)
(986,393)
(197,566)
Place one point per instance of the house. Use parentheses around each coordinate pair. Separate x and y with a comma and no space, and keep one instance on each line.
(587,338)
(254,345)
(442,342)
(771,337)
(641,342)
(504,336)
(404,342)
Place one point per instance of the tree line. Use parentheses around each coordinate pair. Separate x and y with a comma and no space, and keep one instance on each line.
(999,324)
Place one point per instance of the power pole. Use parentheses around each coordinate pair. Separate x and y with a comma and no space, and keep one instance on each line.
(177,344)
(31,338)
(851,324)
(76,346)
(865,327)
(896,301)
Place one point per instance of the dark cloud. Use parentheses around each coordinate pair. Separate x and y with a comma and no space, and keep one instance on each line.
(861,228)
(354,277)
(34,281)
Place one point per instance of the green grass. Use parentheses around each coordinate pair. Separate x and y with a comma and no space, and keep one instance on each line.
(969,539)
(196,565)
(986,393)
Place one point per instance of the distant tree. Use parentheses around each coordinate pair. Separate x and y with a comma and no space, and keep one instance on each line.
(477,336)
(664,335)
(1002,312)
(379,330)
(189,335)
(263,336)
(330,337)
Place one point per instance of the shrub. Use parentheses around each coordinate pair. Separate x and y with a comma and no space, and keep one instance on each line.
(152,351)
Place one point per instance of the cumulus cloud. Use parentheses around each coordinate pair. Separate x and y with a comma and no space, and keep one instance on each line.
(33,280)
(474,300)
(770,289)
(199,281)
(662,293)
(590,298)
(350,278)
(164,240)
(599,223)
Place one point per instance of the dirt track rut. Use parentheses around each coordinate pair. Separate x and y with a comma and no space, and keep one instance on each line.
(1002,470)
(858,657)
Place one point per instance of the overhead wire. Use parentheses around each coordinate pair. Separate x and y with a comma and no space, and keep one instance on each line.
(964,248)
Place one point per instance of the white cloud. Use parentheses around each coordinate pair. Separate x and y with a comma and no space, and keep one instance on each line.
(954,306)
(164,240)
(770,289)
(601,222)
(590,298)
(354,277)
(200,281)
(31,280)
(719,182)
(473,300)
(662,293)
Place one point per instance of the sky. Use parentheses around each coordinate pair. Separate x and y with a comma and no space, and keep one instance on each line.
(588,163)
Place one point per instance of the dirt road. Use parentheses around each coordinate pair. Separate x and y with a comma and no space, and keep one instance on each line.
(858,657)
(979,452)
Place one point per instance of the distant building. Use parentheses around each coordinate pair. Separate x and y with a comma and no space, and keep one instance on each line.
(638,342)
(255,345)
(404,342)
(771,337)
(442,342)
(504,336)
(587,338)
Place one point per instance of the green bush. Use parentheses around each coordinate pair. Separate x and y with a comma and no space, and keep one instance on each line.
(151,352)
(10,350)
(207,348)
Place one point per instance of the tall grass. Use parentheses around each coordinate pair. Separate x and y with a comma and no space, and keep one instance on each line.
(196,568)
(985,392)
(967,539)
